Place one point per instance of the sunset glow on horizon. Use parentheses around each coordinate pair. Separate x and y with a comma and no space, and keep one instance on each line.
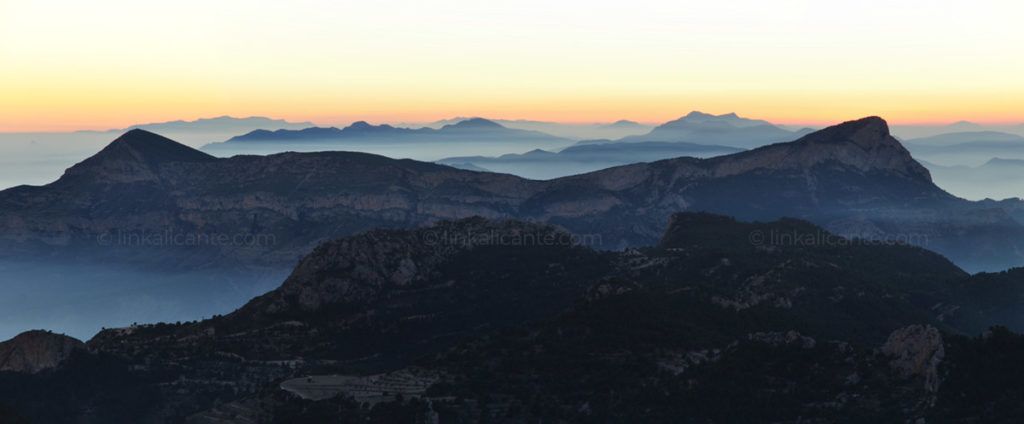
(68,65)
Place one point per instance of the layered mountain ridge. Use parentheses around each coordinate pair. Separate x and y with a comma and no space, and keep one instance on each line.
(475,127)
(854,178)
(725,130)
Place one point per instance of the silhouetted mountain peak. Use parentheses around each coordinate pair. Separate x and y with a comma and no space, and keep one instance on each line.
(135,155)
(155,147)
(864,144)
(475,123)
(867,133)
(624,122)
(700,120)
(696,114)
(366,127)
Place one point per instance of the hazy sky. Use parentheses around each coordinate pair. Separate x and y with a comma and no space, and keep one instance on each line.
(99,64)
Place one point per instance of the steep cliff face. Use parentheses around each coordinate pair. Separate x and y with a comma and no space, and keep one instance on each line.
(145,196)
(864,145)
(35,351)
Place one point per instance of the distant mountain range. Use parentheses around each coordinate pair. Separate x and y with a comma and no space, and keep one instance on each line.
(508,319)
(583,158)
(697,134)
(475,133)
(723,130)
(220,124)
(995,179)
(958,138)
(967,148)
(853,178)
(206,130)
(907,132)
(574,131)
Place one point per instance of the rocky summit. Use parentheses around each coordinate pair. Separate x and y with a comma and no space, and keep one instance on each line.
(35,351)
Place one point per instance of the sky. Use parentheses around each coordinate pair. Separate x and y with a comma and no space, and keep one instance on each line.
(69,64)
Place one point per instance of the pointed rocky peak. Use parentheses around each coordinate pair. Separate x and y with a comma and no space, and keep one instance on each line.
(154,148)
(37,350)
(136,155)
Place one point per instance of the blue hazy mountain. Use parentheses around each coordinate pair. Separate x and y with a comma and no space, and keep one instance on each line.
(912,131)
(995,179)
(574,131)
(582,158)
(697,135)
(967,148)
(724,130)
(949,139)
(220,124)
(475,135)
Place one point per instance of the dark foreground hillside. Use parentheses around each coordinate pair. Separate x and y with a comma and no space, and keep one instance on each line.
(505,321)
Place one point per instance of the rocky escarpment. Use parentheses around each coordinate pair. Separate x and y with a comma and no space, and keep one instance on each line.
(918,351)
(864,145)
(35,351)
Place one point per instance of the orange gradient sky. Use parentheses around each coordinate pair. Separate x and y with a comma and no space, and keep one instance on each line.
(67,65)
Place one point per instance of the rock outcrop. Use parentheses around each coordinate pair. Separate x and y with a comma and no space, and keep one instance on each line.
(916,351)
(35,351)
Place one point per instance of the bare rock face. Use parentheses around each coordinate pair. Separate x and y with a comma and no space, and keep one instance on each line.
(362,267)
(916,350)
(37,350)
